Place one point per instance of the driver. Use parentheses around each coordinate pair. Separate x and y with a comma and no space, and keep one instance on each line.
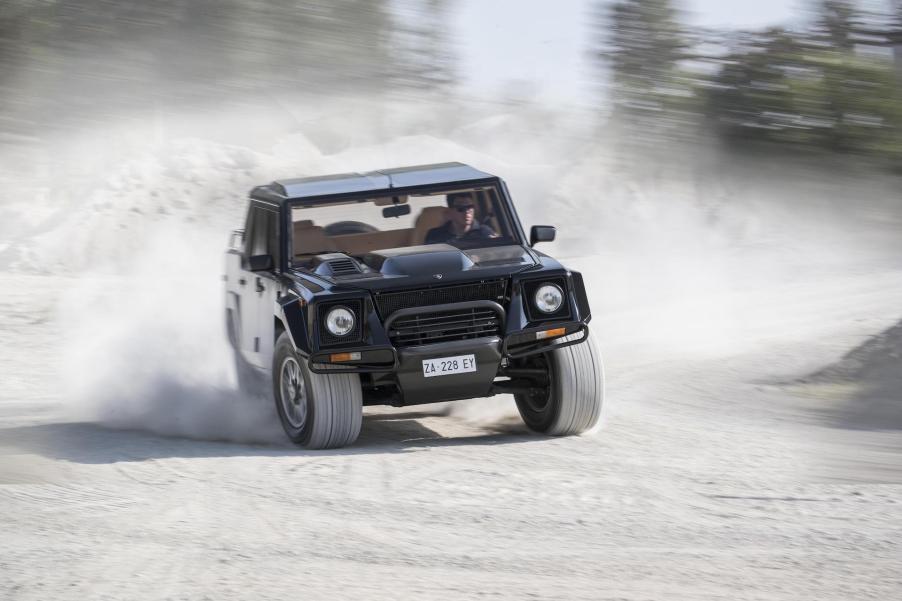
(461,222)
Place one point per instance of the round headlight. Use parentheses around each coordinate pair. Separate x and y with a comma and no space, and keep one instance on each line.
(340,321)
(549,298)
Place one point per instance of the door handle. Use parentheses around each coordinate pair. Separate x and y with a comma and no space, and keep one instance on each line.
(260,286)
(242,281)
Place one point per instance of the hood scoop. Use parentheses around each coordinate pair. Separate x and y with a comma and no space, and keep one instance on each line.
(431,259)
(336,265)
(340,267)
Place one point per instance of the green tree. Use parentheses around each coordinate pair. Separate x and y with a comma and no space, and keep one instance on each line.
(781,88)
(644,44)
(86,59)
(751,97)
(897,40)
(836,25)
(423,56)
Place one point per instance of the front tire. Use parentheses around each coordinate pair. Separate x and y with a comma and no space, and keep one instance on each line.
(317,411)
(571,401)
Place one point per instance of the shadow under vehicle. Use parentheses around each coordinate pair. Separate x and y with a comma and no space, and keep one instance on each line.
(401,287)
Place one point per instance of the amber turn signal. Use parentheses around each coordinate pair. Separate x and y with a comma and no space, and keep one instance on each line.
(550,333)
(339,357)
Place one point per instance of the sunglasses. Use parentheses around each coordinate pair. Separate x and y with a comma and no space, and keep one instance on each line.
(464,208)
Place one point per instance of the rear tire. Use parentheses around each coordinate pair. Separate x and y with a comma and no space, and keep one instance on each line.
(317,411)
(571,402)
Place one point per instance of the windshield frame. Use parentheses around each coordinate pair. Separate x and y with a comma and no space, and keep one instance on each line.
(516,235)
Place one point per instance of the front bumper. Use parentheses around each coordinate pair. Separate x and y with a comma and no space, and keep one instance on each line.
(531,342)
(397,378)
(406,362)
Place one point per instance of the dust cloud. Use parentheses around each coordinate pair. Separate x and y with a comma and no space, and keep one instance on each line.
(668,239)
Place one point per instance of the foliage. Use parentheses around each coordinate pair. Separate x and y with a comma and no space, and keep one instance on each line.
(424,60)
(645,44)
(644,48)
(782,90)
(836,25)
(81,60)
(822,88)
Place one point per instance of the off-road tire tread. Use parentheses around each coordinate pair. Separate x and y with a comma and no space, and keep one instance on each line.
(337,406)
(577,388)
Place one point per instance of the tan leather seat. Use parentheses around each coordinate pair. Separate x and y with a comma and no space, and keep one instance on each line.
(428,218)
(360,244)
(310,239)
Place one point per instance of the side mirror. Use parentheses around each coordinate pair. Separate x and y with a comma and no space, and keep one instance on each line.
(396,211)
(541,233)
(260,263)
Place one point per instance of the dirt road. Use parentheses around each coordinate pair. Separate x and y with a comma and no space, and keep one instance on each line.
(710,478)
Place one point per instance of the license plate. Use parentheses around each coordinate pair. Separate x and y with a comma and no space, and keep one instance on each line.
(445,366)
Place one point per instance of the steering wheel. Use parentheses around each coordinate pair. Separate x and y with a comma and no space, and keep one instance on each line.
(343,228)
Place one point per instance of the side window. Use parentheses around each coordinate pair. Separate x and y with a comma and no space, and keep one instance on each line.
(499,219)
(248,224)
(272,236)
(259,232)
(262,235)
(255,232)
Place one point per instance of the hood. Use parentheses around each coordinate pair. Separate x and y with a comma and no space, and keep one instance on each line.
(441,260)
(429,265)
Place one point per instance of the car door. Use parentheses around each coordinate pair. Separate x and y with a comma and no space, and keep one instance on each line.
(258,289)
(267,287)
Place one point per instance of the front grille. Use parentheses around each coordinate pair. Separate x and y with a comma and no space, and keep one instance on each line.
(457,324)
(389,302)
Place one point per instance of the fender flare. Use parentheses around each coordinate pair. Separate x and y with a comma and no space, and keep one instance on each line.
(292,315)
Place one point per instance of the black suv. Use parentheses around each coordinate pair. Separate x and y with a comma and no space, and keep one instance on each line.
(400,287)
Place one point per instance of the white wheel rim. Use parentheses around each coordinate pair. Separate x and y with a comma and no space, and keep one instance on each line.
(294,393)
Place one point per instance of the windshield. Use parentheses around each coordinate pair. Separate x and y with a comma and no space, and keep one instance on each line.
(467,218)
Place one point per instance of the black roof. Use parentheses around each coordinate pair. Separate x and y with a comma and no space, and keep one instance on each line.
(383,180)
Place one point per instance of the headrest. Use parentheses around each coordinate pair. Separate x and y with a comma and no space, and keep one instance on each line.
(428,218)
(431,214)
